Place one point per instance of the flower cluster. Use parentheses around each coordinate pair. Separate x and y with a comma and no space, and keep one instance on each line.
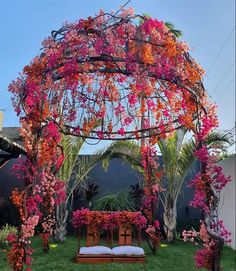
(213,179)
(153,234)
(18,200)
(45,239)
(204,258)
(107,220)
(28,227)
(190,235)
(209,121)
(18,255)
(219,227)
(151,230)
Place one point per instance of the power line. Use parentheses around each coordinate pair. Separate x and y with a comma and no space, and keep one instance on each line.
(221,49)
(122,6)
(223,77)
(5,109)
(229,83)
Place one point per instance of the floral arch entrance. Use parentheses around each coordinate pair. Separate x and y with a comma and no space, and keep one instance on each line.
(109,77)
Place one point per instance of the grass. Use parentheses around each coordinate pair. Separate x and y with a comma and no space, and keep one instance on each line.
(177,257)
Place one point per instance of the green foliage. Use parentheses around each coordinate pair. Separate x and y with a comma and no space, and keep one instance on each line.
(82,168)
(220,141)
(90,190)
(177,33)
(178,157)
(4,232)
(177,154)
(136,193)
(71,148)
(115,202)
(127,150)
(177,257)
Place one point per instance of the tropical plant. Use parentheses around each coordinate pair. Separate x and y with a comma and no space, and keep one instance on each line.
(136,193)
(178,157)
(177,33)
(4,233)
(71,148)
(90,190)
(119,201)
(72,172)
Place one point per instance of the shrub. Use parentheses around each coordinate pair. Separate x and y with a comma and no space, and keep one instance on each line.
(115,202)
(4,232)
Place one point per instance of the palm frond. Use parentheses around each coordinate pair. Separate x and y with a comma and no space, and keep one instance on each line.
(90,190)
(177,33)
(128,151)
(82,168)
(115,202)
(220,140)
(71,148)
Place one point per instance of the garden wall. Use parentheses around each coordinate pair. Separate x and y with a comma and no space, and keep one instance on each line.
(227,201)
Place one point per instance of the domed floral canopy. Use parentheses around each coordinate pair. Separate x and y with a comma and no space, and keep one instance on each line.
(118,70)
(109,77)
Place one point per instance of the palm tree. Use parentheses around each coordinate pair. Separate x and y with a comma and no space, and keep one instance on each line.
(178,158)
(73,171)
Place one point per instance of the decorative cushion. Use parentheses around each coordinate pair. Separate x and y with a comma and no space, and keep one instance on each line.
(127,250)
(95,250)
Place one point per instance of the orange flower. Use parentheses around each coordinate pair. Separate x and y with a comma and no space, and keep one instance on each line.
(146,54)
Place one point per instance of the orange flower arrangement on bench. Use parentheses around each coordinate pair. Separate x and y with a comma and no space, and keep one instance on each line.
(97,221)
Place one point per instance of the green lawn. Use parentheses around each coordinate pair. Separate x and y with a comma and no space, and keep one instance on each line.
(177,257)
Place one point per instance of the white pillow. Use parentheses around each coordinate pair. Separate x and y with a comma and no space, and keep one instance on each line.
(127,250)
(95,250)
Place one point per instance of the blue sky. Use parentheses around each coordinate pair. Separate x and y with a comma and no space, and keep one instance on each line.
(208,27)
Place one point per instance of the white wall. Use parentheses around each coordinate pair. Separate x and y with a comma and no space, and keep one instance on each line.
(227,201)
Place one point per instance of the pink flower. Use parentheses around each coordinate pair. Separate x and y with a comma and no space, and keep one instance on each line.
(155,188)
(28,260)
(100,134)
(121,131)
(31,204)
(156,224)
(150,104)
(132,99)
(11,237)
(140,221)
(127,120)
(51,130)
(202,154)
(151,230)
(29,226)
(80,217)
(203,258)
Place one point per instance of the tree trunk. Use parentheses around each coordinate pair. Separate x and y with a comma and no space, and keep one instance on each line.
(60,231)
(169,217)
(218,247)
(217,257)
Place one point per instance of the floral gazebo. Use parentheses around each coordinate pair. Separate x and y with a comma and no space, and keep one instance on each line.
(111,77)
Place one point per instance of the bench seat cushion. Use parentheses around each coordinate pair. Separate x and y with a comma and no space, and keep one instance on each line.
(127,250)
(96,250)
